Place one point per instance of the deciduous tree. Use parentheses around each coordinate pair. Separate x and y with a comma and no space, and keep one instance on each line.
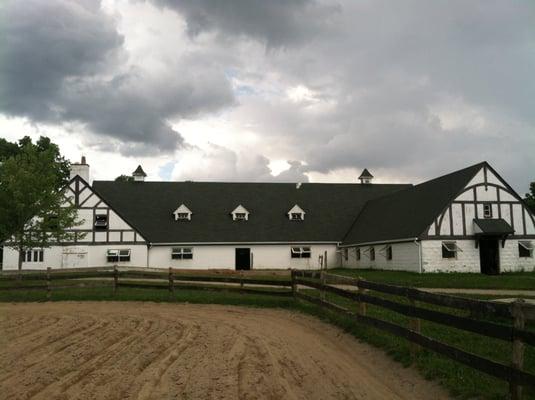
(34,211)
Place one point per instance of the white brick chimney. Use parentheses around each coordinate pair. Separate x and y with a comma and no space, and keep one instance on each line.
(81,169)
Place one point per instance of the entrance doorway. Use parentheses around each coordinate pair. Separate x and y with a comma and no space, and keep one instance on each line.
(243,259)
(489,256)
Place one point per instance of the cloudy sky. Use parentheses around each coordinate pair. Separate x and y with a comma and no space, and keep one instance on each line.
(287,90)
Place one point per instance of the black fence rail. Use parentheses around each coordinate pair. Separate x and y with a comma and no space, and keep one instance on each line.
(171,280)
(358,291)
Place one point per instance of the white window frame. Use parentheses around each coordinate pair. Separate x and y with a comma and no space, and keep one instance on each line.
(121,255)
(182,253)
(296,213)
(101,224)
(240,213)
(487,210)
(182,213)
(526,244)
(33,255)
(301,252)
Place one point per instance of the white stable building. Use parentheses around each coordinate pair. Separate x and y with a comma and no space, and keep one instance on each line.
(469,221)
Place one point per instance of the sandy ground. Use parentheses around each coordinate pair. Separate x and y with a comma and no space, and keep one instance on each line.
(103,350)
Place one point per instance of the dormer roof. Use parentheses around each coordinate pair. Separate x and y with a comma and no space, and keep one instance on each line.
(139,172)
(296,210)
(182,209)
(365,174)
(240,210)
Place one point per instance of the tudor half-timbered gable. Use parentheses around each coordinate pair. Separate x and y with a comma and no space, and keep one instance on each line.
(470,220)
(101,224)
(486,196)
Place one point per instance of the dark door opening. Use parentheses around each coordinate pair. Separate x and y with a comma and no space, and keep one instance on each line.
(243,259)
(489,256)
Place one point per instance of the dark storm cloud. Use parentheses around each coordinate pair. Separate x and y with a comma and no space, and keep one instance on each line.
(275,22)
(60,63)
(397,74)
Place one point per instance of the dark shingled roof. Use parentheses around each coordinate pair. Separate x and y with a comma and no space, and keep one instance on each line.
(407,213)
(330,209)
(494,226)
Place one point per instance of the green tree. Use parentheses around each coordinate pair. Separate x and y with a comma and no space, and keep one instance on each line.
(530,197)
(124,178)
(8,149)
(34,211)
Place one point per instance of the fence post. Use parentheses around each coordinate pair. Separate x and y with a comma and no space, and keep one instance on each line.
(171,281)
(294,286)
(323,279)
(115,279)
(518,346)
(415,325)
(48,284)
(362,304)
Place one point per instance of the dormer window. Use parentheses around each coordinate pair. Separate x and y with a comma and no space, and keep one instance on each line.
(101,221)
(240,213)
(182,213)
(296,214)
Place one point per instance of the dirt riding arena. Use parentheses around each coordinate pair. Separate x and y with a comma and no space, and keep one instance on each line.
(101,350)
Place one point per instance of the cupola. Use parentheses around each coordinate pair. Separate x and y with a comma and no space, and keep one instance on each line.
(366,176)
(139,175)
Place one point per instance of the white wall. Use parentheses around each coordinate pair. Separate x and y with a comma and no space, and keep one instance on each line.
(468,259)
(405,257)
(269,256)
(90,256)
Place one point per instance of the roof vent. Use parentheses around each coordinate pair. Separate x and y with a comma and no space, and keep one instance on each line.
(366,176)
(298,185)
(139,175)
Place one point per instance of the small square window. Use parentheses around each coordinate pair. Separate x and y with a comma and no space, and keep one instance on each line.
(182,216)
(101,221)
(300,252)
(525,249)
(239,216)
(449,250)
(124,255)
(487,210)
(296,216)
(182,253)
(112,255)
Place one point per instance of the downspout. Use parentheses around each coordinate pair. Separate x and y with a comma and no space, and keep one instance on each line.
(420,255)
(148,252)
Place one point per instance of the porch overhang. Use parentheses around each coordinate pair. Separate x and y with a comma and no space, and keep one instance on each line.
(492,227)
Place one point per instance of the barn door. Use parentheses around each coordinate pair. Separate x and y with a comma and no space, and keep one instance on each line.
(489,256)
(243,259)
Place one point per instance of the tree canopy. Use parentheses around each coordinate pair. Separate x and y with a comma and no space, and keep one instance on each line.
(34,211)
(530,197)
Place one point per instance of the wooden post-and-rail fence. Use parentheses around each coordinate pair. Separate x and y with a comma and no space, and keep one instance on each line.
(412,308)
(357,291)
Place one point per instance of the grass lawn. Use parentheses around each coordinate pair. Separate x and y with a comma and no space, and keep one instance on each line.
(512,280)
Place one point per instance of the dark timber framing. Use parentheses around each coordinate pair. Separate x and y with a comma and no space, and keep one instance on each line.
(80,186)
